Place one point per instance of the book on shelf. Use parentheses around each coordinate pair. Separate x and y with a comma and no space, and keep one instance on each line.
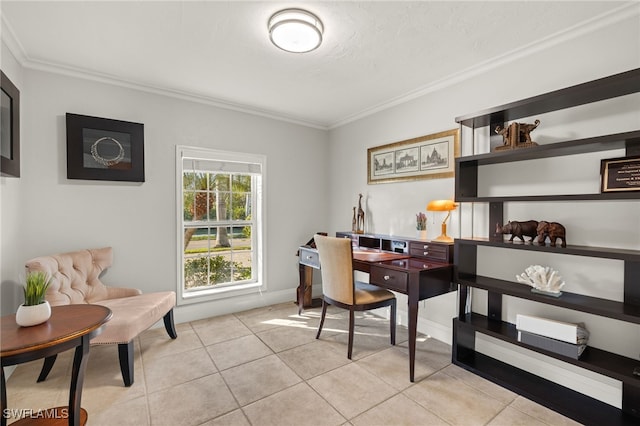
(552,345)
(574,333)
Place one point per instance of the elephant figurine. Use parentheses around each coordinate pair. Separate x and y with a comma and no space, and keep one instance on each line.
(553,230)
(519,229)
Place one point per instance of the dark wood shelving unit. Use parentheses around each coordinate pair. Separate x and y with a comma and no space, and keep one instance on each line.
(580,407)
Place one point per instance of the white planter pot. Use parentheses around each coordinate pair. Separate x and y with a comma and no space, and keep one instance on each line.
(422,234)
(33,315)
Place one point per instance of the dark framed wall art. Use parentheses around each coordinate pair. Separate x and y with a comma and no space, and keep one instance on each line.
(104,149)
(9,128)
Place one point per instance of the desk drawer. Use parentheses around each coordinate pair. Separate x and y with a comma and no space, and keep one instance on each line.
(430,250)
(388,278)
(309,257)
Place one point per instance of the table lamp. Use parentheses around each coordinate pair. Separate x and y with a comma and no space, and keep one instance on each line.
(442,206)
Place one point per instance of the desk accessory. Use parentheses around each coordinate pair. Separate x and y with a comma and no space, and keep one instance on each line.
(442,206)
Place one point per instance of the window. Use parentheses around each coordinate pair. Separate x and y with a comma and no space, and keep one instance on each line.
(219,222)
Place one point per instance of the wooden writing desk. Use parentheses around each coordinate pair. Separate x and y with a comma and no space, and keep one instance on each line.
(70,326)
(414,273)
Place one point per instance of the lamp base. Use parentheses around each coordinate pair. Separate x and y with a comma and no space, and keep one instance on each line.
(443,236)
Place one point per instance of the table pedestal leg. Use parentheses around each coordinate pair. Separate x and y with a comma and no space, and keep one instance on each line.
(77,379)
(413,326)
(302,287)
(4,398)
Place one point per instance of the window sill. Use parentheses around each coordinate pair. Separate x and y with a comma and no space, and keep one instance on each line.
(200,296)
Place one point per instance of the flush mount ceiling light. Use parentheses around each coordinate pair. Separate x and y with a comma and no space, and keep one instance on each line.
(295,30)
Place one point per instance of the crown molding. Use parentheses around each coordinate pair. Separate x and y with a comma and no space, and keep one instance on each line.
(601,21)
(611,17)
(15,47)
(91,75)
(11,41)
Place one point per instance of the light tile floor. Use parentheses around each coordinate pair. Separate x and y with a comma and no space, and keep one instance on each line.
(265,367)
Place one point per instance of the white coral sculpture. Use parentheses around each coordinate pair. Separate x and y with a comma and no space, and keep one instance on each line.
(542,278)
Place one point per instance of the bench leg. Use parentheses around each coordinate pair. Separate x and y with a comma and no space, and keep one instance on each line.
(125,354)
(169,325)
(46,367)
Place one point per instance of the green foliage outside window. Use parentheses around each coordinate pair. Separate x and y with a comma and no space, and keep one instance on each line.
(220,271)
(213,199)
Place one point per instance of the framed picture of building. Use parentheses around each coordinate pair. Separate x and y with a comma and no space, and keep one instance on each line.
(426,157)
(104,149)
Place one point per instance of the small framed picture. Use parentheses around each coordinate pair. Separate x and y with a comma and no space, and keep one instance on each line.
(104,149)
(620,174)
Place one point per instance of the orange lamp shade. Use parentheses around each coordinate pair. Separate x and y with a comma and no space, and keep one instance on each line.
(441,206)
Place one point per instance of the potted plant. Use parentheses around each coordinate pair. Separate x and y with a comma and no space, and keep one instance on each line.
(35,309)
(421,225)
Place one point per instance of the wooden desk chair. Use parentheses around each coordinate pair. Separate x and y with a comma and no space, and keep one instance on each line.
(340,289)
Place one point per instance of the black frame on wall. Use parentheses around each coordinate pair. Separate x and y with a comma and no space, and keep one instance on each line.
(104,149)
(9,128)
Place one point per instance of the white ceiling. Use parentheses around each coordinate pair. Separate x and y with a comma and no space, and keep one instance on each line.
(374,53)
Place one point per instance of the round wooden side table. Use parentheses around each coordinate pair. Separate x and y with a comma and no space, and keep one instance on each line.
(70,326)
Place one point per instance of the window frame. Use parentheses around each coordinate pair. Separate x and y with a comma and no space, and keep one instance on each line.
(259,180)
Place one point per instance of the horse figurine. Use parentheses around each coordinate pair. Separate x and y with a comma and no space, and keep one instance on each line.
(360,224)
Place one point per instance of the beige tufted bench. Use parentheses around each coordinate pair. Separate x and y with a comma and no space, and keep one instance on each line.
(75,278)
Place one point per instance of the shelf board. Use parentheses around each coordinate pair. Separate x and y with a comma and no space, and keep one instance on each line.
(558,149)
(593,91)
(602,252)
(574,301)
(570,403)
(606,196)
(603,362)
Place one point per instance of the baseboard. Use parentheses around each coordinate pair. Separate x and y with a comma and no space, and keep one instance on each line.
(197,311)
(430,328)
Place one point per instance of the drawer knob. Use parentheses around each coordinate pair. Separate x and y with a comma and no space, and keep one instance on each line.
(386,277)
(425,247)
(425,253)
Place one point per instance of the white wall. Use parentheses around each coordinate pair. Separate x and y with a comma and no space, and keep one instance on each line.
(52,214)
(9,197)
(392,207)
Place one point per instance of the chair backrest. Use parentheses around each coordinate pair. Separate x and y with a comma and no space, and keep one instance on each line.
(74,275)
(336,268)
